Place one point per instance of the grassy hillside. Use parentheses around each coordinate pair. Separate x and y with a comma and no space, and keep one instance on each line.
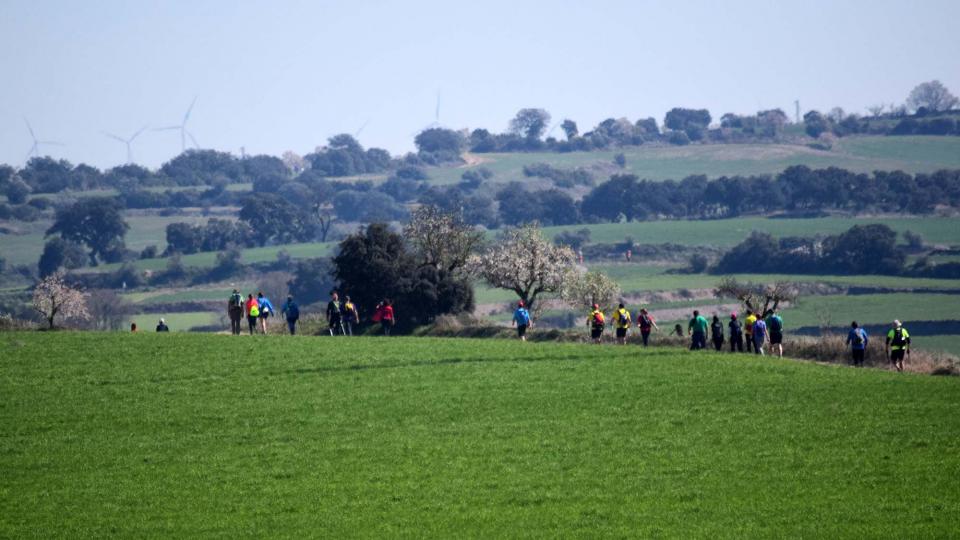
(862,154)
(177,435)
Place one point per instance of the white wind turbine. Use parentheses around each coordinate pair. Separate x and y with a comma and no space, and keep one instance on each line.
(37,143)
(182,128)
(127,141)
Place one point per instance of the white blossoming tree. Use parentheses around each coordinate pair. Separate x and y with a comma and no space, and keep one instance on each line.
(53,298)
(584,289)
(441,239)
(525,262)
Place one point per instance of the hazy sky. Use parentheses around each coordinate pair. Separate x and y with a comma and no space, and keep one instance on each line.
(275,76)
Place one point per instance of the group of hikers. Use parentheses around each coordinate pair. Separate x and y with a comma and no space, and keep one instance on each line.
(753,334)
(342,316)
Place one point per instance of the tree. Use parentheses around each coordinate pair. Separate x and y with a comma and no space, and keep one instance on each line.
(525,262)
(96,222)
(373,264)
(865,249)
(772,121)
(53,298)
(693,122)
(16,191)
(441,239)
(312,280)
(762,299)
(59,253)
(530,123)
(933,96)
(815,123)
(583,289)
(569,128)
(438,140)
(271,217)
(107,310)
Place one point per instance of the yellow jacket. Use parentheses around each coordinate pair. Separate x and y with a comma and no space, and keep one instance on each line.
(622,318)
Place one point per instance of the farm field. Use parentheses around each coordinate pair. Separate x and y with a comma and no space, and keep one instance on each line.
(186,435)
(862,154)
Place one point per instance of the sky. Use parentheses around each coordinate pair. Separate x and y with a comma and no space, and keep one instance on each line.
(278,75)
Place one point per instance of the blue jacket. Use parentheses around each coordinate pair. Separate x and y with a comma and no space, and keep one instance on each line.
(265,305)
(852,338)
(521,316)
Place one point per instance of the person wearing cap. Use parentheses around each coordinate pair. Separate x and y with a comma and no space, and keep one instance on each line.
(736,334)
(521,319)
(291,312)
(898,345)
(596,322)
(162,326)
(622,319)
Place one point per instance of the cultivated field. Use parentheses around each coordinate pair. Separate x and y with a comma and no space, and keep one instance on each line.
(185,435)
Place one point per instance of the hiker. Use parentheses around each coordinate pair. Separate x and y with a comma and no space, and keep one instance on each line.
(133,327)
(521,318)
(759,336)
(334,314)
(622,318)
(736,334)
(596,322)
(646,323)
(350,316)
(898,344)
(748,322)
(716,331)
(162,326)
(775,328)
(291,311)
(266,310)
(387,319)
(678,330)
(697,329)
(253,312)
(235,311)
(857,339)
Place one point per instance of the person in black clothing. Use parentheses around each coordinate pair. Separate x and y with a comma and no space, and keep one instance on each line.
(716,330)
(335,314)
(736,334)
(162,326)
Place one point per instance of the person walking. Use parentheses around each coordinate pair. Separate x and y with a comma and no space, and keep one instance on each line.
(697,329)
(646,324)
(291,312)
(857,339)
(775,328)
(521,319)
(736,334)
(253,312)
(621,317)
(897,345)
(334,315)
(387,317)
(716,332)
(350,316)
(759,336)
(596,321)
(235,311)
(162,326)
(266,310)
(748,323)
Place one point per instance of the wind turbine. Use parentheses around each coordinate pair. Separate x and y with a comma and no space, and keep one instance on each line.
(436,118)
(359,131)
(127,141)
(35,149)
(182,128)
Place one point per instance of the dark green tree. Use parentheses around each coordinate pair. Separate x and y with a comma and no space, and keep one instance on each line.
(272,218)
(530,123)
(96,222)
(59,253)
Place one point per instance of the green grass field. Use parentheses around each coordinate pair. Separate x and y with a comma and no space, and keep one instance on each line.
(861,154)
(188,435)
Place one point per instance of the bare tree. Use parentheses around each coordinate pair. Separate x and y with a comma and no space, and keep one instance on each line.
(441,239)
(584,289)
(525,262)
(933,95)
(107,310)
(52,297)
(325,218)
(760,298)
(836,115)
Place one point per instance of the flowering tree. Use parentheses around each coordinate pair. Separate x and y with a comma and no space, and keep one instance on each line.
(523,261)
(441,239)
(584,289)
(52,297)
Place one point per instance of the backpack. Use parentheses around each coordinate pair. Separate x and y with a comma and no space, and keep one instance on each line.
(735,328)
(236,300)
(254,310)
(858,337)
(717,328)
(623,319)
(524,316)
(349,311)
(645,322)
(776,325)
(898,337)
(597,319)
(293,311)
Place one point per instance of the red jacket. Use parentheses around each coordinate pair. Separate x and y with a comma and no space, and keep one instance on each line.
(250,303)
(387,313)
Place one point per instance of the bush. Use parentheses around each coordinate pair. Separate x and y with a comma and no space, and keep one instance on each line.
(698,263)
(678,138)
